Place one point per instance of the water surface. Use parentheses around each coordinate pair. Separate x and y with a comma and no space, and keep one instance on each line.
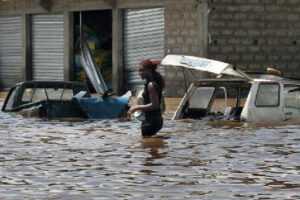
(108,159)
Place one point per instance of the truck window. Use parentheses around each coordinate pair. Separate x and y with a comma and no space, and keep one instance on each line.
(220,101)
(268,95)
(292,98)
(201,97)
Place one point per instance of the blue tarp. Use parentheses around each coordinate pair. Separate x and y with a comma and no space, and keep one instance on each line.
(103,107)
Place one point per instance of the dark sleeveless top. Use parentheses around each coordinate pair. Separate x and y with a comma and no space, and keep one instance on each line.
(157,85)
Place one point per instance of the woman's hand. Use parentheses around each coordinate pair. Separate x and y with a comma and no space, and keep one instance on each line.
(132,109)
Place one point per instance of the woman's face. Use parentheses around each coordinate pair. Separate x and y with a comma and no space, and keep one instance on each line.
(144,72)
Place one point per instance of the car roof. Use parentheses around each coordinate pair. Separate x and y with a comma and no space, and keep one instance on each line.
(51,84)
(274,78)
(222,83)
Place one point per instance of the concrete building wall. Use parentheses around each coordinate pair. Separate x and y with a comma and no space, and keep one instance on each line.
(42,6)
(186,28)
(28,7)
(255,34)
(251,34)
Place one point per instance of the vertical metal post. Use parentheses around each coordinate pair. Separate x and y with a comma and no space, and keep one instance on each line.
(27,47)
(68,45)
(117,51)
(80,30)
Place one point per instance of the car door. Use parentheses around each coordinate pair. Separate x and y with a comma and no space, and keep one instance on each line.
(264,102)
(291,102)
(268,102)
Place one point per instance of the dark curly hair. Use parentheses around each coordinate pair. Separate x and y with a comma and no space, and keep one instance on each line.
(152,65)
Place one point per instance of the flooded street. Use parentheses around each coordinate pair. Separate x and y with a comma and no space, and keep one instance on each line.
(109,160)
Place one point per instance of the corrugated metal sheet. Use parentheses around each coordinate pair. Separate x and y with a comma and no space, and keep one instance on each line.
(143,39)
(10,50)
(48,47)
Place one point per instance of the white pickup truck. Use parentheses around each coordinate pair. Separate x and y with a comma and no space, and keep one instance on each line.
(240,96)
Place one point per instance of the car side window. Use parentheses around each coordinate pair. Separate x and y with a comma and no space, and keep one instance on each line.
(59,93)
(27,95)
(10,103)
(67,94)
(292,98)
(268,95)
(39,94)
(201,97)
(219,101)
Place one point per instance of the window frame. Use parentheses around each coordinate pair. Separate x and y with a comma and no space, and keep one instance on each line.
(295,89)
(268,106)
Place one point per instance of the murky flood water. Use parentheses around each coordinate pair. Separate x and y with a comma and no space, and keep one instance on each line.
(109,160)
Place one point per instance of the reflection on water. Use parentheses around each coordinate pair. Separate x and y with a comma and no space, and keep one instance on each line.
(110,160)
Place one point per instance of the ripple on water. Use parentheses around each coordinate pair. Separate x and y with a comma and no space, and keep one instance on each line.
(109,159)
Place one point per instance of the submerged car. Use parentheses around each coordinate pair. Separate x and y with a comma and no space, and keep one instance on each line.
(61,99)
(240,96)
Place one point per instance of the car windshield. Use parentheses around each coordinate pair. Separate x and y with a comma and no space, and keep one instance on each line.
(27,93)
(10,101)
(39,94)
(214,98)
(201,97)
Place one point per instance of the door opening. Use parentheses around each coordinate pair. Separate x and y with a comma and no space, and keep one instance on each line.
(97,31)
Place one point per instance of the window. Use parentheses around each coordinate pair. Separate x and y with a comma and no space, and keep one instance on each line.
(11,99)
(39,94)
(201,97)
(292,97)
(219,101)
(27,95)
(59,93)
(268,95)
(67,94)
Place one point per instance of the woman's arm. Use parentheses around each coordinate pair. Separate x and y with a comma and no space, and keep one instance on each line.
(154,101)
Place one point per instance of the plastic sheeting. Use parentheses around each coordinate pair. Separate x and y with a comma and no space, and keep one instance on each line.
(90,68)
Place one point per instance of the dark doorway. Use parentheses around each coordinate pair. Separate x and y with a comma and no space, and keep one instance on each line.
(97,30)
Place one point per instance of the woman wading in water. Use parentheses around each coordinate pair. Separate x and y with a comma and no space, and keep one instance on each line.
(152,96)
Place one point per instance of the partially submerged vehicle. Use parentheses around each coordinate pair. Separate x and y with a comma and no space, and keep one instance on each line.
(61,99)
(241,96)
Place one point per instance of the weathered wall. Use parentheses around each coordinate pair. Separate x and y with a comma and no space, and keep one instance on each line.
(254,34)
(40,6)
(251,34)
(185,28)
(183,24)
(27,7)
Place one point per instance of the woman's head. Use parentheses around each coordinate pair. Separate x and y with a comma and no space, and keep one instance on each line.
(147,68)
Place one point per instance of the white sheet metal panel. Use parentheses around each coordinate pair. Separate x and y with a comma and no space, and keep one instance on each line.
(48,47)
(10,50)
(143,39)
(201,64)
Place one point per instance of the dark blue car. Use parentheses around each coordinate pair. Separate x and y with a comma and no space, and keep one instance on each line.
(62,99)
